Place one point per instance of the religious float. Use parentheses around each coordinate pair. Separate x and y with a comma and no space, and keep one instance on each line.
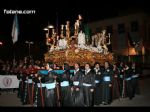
(76,49)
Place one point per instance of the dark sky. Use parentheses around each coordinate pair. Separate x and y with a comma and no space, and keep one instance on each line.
(31,25)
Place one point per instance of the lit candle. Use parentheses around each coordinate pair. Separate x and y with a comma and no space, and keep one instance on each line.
(53,31)
(62,26)
(109,35)
(75,25)
(66,27)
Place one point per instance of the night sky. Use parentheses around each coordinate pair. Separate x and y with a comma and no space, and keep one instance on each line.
(31,26)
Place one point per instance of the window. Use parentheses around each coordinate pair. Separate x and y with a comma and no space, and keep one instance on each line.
(121,28)
(109,29)
(122,41)
(134,26)
(98,29)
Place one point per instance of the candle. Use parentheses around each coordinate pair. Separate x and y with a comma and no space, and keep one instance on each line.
(53,31)
(62,26)
(75,26)
(109,35)
(66,27)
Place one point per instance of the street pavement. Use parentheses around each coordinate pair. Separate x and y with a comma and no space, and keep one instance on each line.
(8,99)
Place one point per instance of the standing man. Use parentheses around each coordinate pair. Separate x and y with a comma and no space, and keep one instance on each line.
(107,84)
(77,88)
(50,83)
(98,87)
(136,71)
(88,85)
(127,78)
(115,83)
(66,98)
(121,81)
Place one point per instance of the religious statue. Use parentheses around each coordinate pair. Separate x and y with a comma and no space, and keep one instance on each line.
(103,41)
(81,39)
(62,42)
(75,47)
(95,40)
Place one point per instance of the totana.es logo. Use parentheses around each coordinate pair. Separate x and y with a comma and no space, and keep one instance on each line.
(7,81)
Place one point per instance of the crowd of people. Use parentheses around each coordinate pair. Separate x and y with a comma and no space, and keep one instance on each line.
(47,84)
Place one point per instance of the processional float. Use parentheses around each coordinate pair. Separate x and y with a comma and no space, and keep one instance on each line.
(67,48)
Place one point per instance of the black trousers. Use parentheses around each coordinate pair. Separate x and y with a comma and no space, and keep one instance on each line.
(50,98)
(128,89)
(88,96)
(98,94)
(135,86)
(106,93)
(78,98)
(39,97)
(66,96)
(115,89)
(29,93)
(120,86)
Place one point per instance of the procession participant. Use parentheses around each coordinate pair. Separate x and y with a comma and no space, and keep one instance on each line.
(127,78)
(50,83)
(121,76)
(115,83)
(107,84)
(40,89)
(30,71)
(77,88)
(28,84)
(136,71)
(98,88)
(24,79)
(19,77)
(55,67)
(66,98)
(88,85)
(35,89)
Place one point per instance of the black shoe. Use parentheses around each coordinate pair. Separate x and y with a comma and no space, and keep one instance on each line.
(130,98)
(104,103)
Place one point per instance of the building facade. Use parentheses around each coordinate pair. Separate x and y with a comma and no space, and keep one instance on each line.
(125,31)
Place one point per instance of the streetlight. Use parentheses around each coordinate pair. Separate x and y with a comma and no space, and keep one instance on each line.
(29,43)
